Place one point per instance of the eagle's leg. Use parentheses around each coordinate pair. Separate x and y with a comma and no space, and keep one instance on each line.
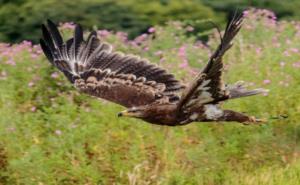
(229,115)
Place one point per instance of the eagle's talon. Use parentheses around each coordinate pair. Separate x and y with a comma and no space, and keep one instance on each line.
(255,120)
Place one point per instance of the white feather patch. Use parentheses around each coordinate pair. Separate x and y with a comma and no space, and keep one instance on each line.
(203,95)
(212,112)
(194,116)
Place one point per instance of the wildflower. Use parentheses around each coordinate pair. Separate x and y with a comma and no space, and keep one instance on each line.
(11,62)
(281,82)
(122,36)
(151,30)
(158,53)
(30,84)
(3,75)
(34,56)
(282,64)
(294,50)
(267,81)
(37,49)
(184,64)
(11,129)
(245,13)
(265,94)
(141,38)
(182,55)
(258,50)
(103,33)
(181,51)
(33,109)
(286,53)
(296,64)
(189,28)
(58,132)
(26,43)
(73,125)
(54,75)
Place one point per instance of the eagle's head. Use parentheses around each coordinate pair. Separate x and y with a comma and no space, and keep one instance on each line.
(155,113)
(136,112)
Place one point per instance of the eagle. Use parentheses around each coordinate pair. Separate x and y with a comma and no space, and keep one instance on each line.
(148,91)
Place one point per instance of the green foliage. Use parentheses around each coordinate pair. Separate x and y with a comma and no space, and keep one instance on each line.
(288,8)
(51,134)
(22,19)
(159,12)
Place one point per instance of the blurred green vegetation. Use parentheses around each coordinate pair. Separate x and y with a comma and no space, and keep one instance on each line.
(21,19)
(287,9)
(52,134)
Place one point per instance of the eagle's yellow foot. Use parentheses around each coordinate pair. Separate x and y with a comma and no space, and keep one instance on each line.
(254,120)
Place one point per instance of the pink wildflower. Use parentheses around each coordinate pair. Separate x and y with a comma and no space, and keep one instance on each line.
(258,50)
(103,33)
(295,50)
(267,81)
(30,84)
(11,62)
(158,53)
(184,64)
(151,30)
(54,75)
(286,53)
(33,109)
(34,56)
(296,64)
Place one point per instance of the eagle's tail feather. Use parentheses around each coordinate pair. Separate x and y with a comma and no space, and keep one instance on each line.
(239,90)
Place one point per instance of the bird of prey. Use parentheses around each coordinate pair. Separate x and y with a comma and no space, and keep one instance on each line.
(149,92)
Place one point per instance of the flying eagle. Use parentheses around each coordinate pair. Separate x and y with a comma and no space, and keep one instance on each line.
(148,91)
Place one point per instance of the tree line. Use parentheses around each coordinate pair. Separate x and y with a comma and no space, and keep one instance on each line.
(21,19)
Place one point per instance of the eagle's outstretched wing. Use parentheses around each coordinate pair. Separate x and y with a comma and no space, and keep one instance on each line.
(95,69)
(208,86)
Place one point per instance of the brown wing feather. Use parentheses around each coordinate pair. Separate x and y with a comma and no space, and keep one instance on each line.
(208,86)
(124,79)
(124,89)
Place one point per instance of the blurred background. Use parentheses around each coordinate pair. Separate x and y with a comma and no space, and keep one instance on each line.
(21,19)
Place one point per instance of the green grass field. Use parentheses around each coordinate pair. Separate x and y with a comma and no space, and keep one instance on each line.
(51,134)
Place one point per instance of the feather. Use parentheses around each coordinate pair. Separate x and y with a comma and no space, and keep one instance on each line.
(78,39)
(239,90)
(46,51)
(212,72)
(57,39)
(124,79)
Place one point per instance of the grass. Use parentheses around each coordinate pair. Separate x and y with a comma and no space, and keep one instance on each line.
(51,134)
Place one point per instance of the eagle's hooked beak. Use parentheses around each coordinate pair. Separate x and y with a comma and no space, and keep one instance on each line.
(129,113)
(125,113)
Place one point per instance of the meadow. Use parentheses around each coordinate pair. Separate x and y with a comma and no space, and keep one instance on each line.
(51,134)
